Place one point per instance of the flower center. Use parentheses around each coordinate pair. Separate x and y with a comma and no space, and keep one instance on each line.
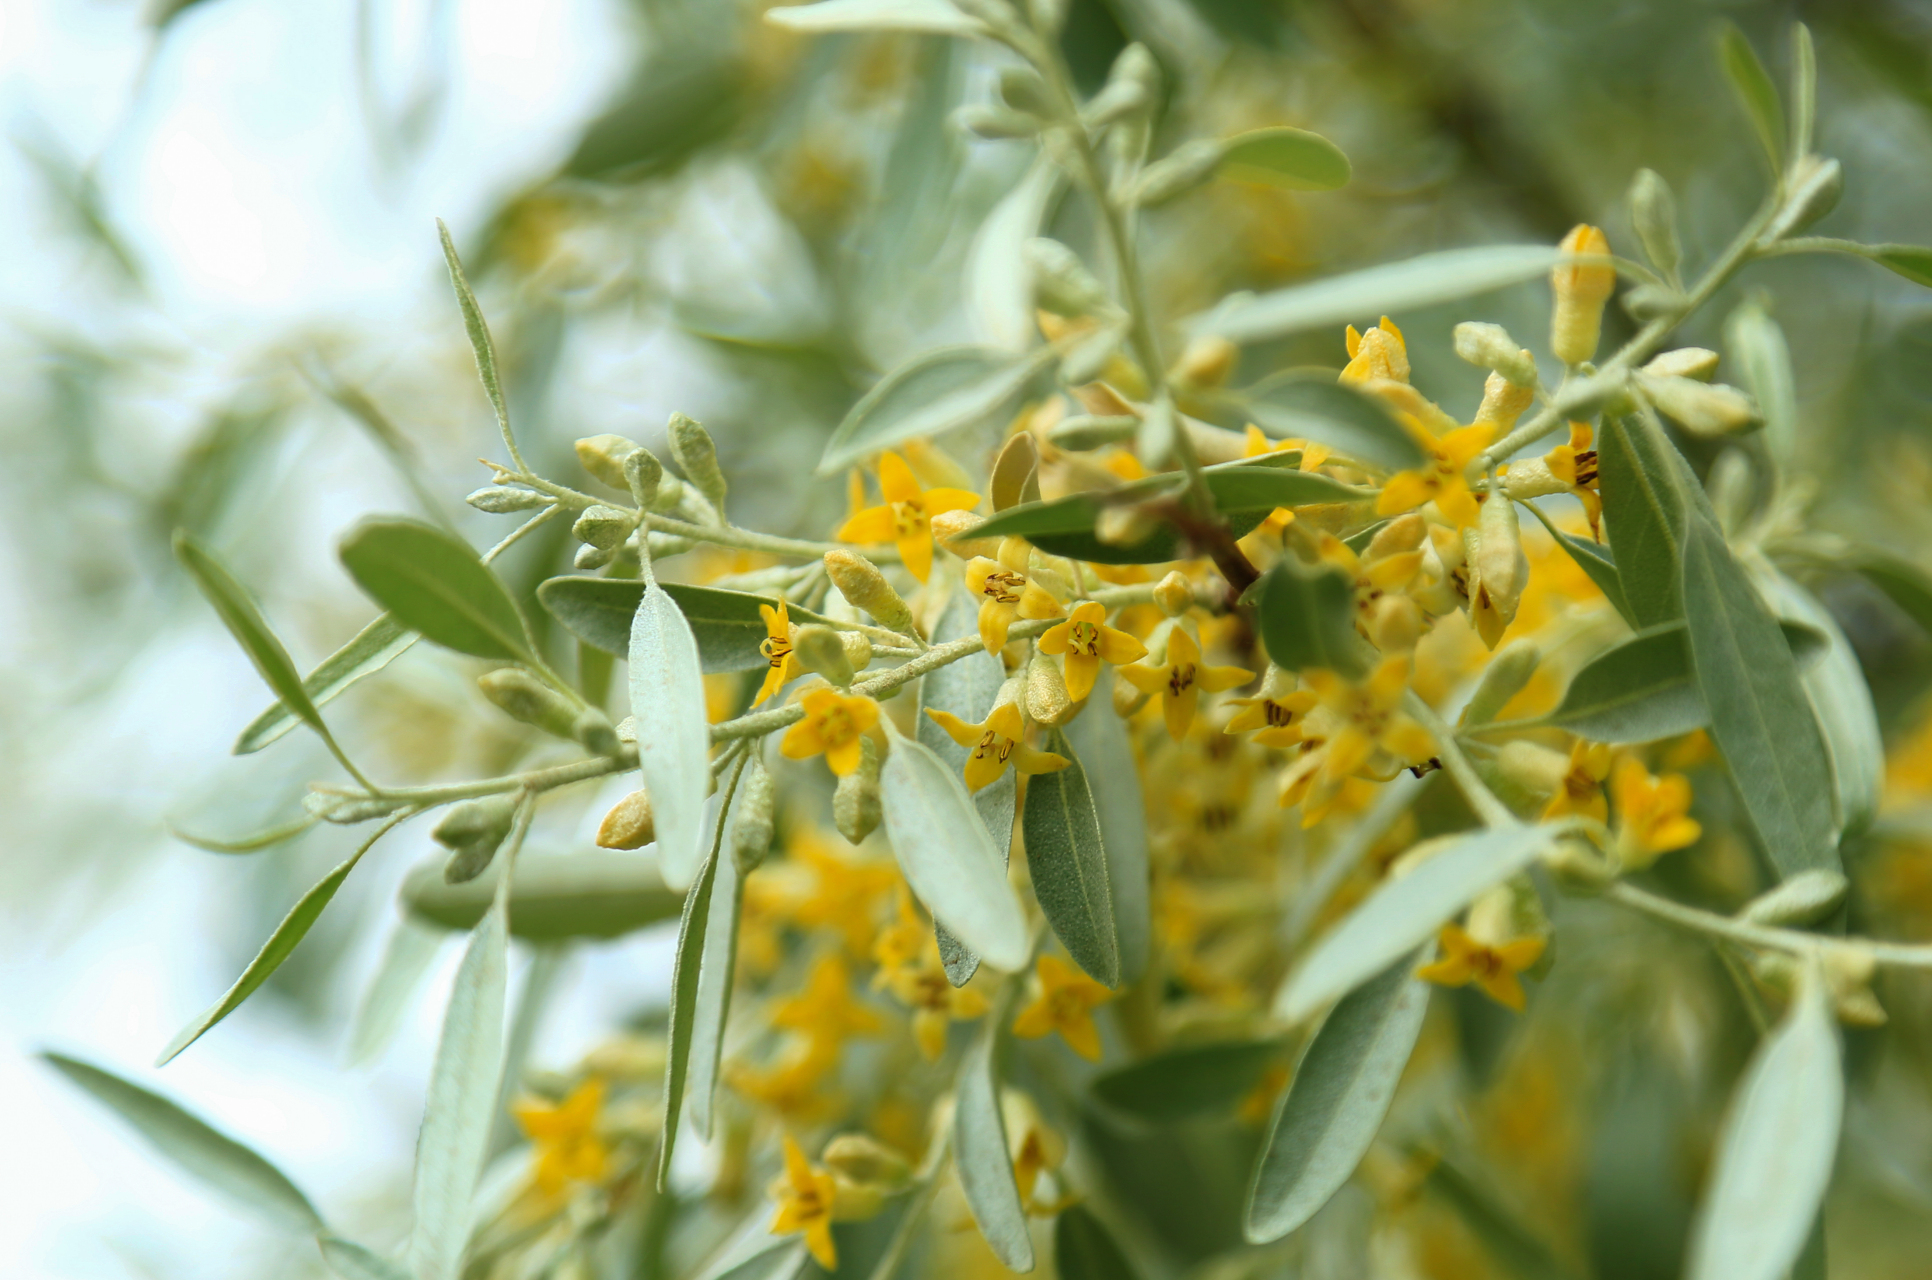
(1278,716)
(1578,783)
(909,517)
(1003,586)
(1180,679)
(776,648)
(1084,638)
(1586,469)
(995,745)
(836,727)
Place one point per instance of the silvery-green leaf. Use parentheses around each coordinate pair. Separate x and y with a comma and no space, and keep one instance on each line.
(1804,90)
(1189,1082)
(369,651)
(218,1160)
(1083,1249)
(673,735)
(1908,260)
(1280,156)
(999,286)
(1775,1153)
(406,959)
(436,584)
(1594,559)
(461,1108)
(686,970)
(1755,92)
(711,1004)
(1312,405)
(1341,1090)
(593,893)
(481,346)
(1068,863)
(726,624)
(265,839)
(1903,583)
(934,16)
(1637,691)
(948,858)
(1763,359)
(932,394)
(1760,717)
(980,1154)
(351,1261)
(1649,498)
(1306,615)
(1360,296)
(1404,913)
(1113,775)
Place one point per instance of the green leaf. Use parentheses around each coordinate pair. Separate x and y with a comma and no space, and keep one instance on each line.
(373,648)
(265,839)
(726,624)
(1594,559)
(949,860)
(1189,1083)
(1285,157)
(1908,260)
(1404,913)
(1068,863)
(711,1003)
(1083,1249)
(480,344)
(934,16)
(434,583)
(351,1261)
(1306,615)
(1903,583)
(406,959)
(1311,405)
(980,1154)
(287,936)
(1775,1153)
(218,1160)
(673,734)
(1113,775)
(932,394)
(555,897)
(1759,715)
(1804,91)
(1645,507)
(998,281)
(461,1108)
(1755,92)
(1763,357)
(1358,296)
(686,970)
(1341,1090)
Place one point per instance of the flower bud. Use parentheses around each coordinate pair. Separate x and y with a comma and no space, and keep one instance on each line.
(593,728)
(1400,535)
(1704,409)
(953,530)
(1684,362)
(1648,301)
(522,696)
(1024,91)
(1489,346)
(983,120)
(602,527)
(501,500)
(472,832)
(1581,292)
(1804,899)
(819,650)
(1508,672)
(856,1158)
(1579,867)
(1207,362)
(861,583)
(1130,89)
(644,476)
(1173,594)
(858,649)
(1815,184)
(1180,171)
(1653,213)
(589,557)
(1394,623)
(1084,431)
(1532,766)
(1503,402)
(629,824)
(1532,478)
(346,810)
(856,810)
(1509,911)
(1502,571)
(603,457)
(1061,282)
(1047,701)
(697,457)
(1849,967)
(751,816)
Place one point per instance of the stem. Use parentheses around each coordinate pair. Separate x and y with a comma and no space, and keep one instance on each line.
(1492,811)
(1764,937)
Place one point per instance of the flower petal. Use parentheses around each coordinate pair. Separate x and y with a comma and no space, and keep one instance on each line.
(874,524)
(896,480)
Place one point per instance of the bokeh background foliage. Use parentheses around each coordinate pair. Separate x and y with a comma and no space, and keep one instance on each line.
(749,226)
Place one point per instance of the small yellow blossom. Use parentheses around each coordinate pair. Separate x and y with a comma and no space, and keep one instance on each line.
(1380,355)
(777,648)
(997,741)
(934,1000)
(825,1010)
(1035,1148)
(1065,1004)
(1181,679)
(1385,569)
(804,1195)
(834,722)
(1494,969)
(565,1137)
(1367,719)
(1652,813)
(1440,478)
(1575,464)
(903,942)
(1005,593)
(1276,719)
(792,1087)
(1087,641)
(845,891)
(905,517)
(1256,444)
(1581,791)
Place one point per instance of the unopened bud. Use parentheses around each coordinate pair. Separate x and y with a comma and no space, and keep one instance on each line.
(697,457)
(1503,402)
(1024,91)
(1061,282)
(861,583)
(1208,361)
(1849,967)
(1704,409)
(1394,623)
(1180,171)
(1084,431)
(1505,677)
(859,1159)
(983,120)
(629,824)
(819,650)
(602,527)
(1489,346)
(1532,478)
(1502,571)
(858,649)
(1018,459)
(594,729)
(1804,899)
(589,557)
(1653,213)
(856,809)
(1508,911)
(1399,536)
(751,816)
(953,531)
(1532,766)
(1648,301)
(644,476)
(1815,185)
(331,806)
(1581,292)
(500,499)
(1173,594)
(1684,362)
(472,832)
(603,457)
(1579,867)
(1047,700)
(522,696)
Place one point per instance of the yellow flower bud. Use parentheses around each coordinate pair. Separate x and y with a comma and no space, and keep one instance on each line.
(1047,700)
(1684,362)
(820,650)
(1173,594)
(1394,623)
(1503,401)
(953,530)
(1704,409)
(1581,292)
(1207,362)
(629,824)
(1502,680)
(860,582)
(1489,346)
(603,457)
(1502,571)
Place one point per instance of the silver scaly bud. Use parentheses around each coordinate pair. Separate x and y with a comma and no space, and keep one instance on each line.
(502,500)
(472,832)
(1653,213)
(697,457)
(521,696)
(751,816)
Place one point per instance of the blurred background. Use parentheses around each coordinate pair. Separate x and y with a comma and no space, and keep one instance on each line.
(225,310)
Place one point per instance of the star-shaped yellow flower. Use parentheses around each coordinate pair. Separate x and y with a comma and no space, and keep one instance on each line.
(565,1138)
(804,1195)
(1581,791)
(1065,1004)
(1087,641)
(825,1010)
(1441,476)
(905,517)
(834,722)
(1366,718)
(1036,1148)
(1275,722)
(1005,592)
(934,1001)
(845,892)
(1575,464)
(997,741)
(1181,680)
(1652,813)
(1380,355)
(1494,969)
(777,648)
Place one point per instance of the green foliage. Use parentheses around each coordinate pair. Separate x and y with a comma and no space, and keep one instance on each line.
(1189,1083)
(1068,862)
(433,584)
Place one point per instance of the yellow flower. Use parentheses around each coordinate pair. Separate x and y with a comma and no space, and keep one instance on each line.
(1652,813)
(1088,641)
(933,999)
(903,942)
(1494,969)
(905,517)
(1577,318)
(996,741)
(1364,718)
(834,722)
(1582,787)
(1034,1147)
(1277,719)
(1313,455)
(565,1137)
(825,1011)
(845,891)
(1181,680)
(804,1195)
(791,1088)
(1378,355)
(1575,464)
(1385,569)
(1441,477)
(777,648)
(1005,593)
(1065,1004)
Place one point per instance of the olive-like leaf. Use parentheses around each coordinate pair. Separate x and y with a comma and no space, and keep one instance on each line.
(1190,1082)
(932,394)
(998,282)
(1113,775)
(434,583)
(686,971)
(1903,583)
(1285,157)
(1649,499)
(481,345)
(980,1154)
(1763,358)
(726,624)
(1306,615)
(368,651)
(1908,260)
(1083,1249)
(595,893)
(267,838)
(711,1004)
(406,959)
(1596,561)
(673,734)
(1068,862)
(1755,92)
(933,16)
(1311,405)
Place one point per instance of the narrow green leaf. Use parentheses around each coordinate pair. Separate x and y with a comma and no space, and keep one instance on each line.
(265,839)
(685,972)
(1285,157)
(556,897)
(1068,863)
(372,648)
(1189,1083)
(1423,281)
(405,962)
(946,854)
(1755,92)
(1113,775)
(480,343)
(673,735)
(1645,508)
(461,1107)
(932,394)
(980,1154)
(1311,405)
(245,622)
(726,624)
(1759,715)
(1084,1250)
(1763,357)
(351,1261)
(1638,691)
(933,16)
(1259,487)
(1341,1090)
(1594,559)
(1908,260)
(1306,615)
(711,1003)
(1804,91)
(434,583)
(1775,1153)
(998,281)
(218,1160)
(1403,914)
(1903,583)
